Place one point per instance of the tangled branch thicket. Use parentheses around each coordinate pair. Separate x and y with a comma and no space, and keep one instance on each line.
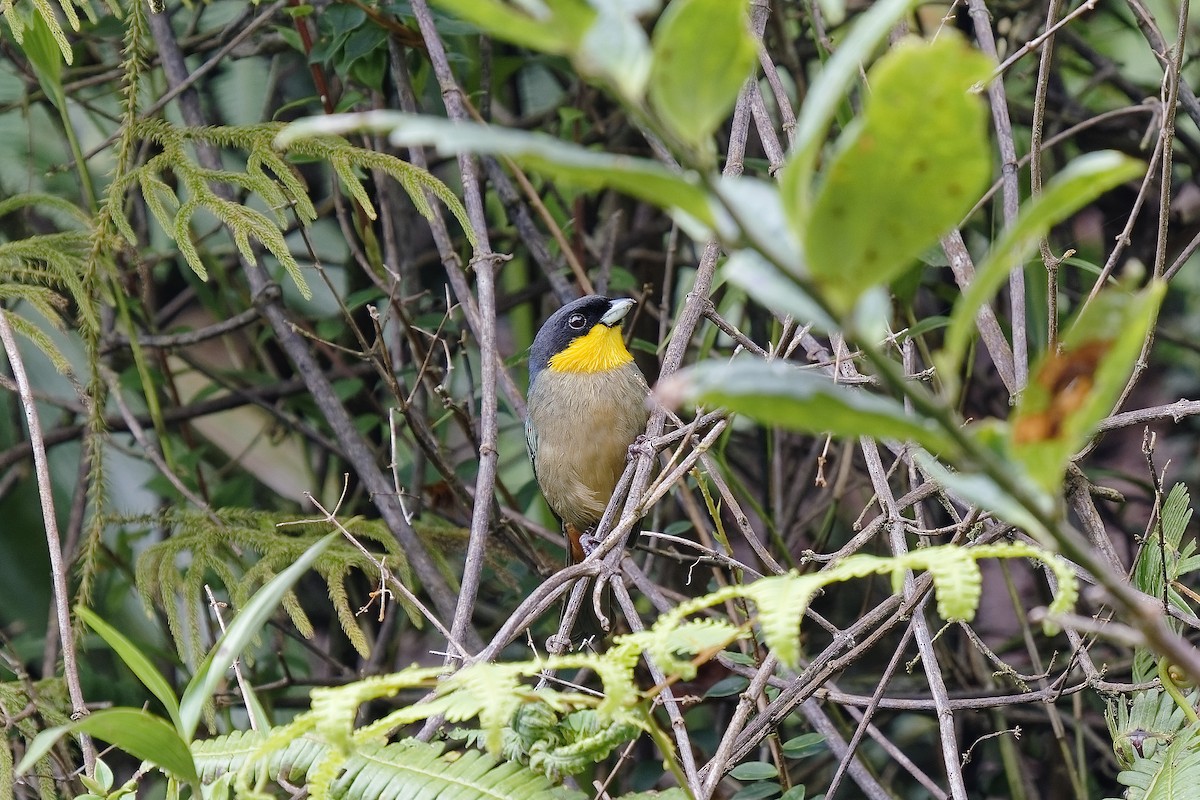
(220,331)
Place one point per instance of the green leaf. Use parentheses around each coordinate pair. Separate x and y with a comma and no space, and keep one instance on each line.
(906,171)
(46,46)
(1150,568)
(139,733)
(104,776)
(754,771)
(777,393)
(781,600)
(703,54)
(1083,180)
(760,215)
(765,284)
(1072,390)
(980,490)
(804,746)
(615,49)
(141,666)
(555,27)
(760,790)
(585,169)
(244,627)
(796,792)
(826,94)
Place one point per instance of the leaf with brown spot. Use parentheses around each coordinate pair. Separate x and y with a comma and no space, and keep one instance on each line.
(1074,389)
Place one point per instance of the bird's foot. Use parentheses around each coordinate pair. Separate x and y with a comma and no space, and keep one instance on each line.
(588,541)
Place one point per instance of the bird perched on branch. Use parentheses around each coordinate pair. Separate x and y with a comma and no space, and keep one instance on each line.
(587,405)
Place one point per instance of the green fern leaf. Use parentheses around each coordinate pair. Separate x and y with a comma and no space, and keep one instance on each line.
(1139,726)
(781,601)
(1158,556)
(399,771)
(417,770)
(957,583)
(1171,775)
(589,739)
(492,692)
(673,651)
(208,548)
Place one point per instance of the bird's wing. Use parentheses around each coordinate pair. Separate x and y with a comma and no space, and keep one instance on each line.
(531,443)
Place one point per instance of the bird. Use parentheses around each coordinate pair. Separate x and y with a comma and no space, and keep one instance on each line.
(586,405)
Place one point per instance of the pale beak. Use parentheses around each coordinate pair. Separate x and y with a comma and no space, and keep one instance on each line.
(617,309)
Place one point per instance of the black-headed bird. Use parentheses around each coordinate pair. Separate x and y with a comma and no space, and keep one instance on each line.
(587,405)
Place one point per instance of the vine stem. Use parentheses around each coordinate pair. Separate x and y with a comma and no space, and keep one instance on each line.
(58,569)
(1172,688)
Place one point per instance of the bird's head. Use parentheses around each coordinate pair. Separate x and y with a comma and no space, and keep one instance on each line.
(582,336)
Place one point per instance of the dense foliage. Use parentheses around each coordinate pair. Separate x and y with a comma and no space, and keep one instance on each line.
(914,289)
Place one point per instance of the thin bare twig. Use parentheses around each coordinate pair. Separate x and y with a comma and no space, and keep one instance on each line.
(58,569)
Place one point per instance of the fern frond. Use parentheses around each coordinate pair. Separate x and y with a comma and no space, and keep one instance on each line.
(781,601)
(154,192)
(404,769)
(957,584)
(1158,556)
(1171,774)
(208,547)
(50,18)
(674,652)
(46,271)
(586,738)
(345,157)
(44,202)
(559,732)
(420,770)
(269,176)
(40,340)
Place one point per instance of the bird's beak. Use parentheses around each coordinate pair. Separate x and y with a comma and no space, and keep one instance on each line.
(617,309)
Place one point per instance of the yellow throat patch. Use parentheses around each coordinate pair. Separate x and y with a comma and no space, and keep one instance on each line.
(602,348)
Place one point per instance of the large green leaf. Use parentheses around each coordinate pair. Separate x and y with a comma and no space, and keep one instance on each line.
(137,732)
(906,171)
(826,94)
(703,54)
(1073,389)
(585,169)
(1084,179)
(778,393)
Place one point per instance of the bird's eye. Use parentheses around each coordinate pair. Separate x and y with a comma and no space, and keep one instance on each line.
(576,321)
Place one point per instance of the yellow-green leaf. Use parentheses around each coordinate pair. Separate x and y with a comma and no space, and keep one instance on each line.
(905,173)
